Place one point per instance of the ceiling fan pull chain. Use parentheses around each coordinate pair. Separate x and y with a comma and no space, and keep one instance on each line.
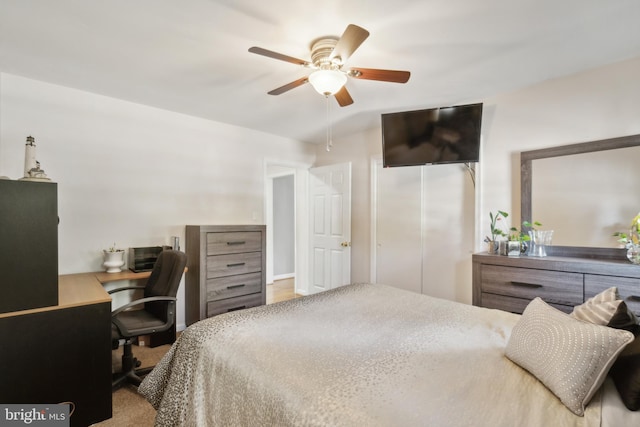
(329,137)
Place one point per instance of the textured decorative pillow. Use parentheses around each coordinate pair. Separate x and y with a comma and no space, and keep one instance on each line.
(570,357)
(607,309)
(600,308)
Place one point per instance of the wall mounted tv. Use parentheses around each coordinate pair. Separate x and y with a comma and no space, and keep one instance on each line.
(432,136)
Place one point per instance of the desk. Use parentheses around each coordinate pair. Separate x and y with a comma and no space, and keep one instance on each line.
(73,290)
(61,353)
(104,277)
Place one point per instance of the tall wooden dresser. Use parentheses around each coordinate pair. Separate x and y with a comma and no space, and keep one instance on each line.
(226,269)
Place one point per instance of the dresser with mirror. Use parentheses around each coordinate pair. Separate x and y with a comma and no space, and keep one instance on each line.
(585,192)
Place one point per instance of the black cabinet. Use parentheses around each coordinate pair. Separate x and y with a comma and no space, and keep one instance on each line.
(28,245)
(61,354)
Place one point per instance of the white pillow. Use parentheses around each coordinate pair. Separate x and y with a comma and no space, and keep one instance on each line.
(570,357)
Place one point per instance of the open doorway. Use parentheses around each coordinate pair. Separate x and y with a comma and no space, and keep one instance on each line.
(281,232)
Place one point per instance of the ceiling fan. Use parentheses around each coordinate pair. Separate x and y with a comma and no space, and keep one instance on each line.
(328,56)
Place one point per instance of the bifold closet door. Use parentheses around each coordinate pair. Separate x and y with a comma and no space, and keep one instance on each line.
(398,260)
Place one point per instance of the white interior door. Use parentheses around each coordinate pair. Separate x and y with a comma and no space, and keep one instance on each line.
(398,227)
(330,200)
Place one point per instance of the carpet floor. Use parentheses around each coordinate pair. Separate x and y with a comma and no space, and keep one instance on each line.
(130,408)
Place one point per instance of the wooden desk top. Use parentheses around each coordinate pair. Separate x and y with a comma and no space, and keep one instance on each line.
(73,290)
(104,277)
(83,289)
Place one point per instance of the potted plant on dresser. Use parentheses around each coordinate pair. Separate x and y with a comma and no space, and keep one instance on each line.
(518,239)
(631,241)
(496,230)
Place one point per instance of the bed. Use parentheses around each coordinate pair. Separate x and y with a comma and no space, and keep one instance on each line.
(361,355)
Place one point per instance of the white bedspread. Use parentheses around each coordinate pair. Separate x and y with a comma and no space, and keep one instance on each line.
(360,355)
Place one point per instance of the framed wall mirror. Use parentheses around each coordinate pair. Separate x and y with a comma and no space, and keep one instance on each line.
(584,192)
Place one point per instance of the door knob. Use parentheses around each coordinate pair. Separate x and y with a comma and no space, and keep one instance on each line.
(345,244)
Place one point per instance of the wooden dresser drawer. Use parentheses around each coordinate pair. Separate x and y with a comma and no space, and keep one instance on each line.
(234,242)
(514,305)
(233,286)
(628,288)
(231,264)
(233,304)
(557,287)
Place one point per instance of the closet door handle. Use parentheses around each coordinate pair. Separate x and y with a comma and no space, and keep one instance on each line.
(237,264)
(527,285)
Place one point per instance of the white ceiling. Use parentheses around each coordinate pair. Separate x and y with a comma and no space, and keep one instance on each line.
(191,56)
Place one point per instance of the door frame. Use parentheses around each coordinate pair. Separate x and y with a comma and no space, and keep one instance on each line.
(301,212)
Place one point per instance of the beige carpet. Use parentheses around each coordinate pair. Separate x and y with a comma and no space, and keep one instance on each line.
(129,408)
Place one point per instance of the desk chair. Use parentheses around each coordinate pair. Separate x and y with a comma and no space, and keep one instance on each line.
(157,314)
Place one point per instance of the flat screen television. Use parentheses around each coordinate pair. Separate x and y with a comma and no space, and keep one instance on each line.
(432,136)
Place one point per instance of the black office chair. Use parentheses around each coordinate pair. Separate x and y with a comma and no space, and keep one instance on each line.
(158,314)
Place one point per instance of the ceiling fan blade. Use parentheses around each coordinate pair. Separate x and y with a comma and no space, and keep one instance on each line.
(279,56)
(393,76)
(343,97)
(350,40)
(289,86)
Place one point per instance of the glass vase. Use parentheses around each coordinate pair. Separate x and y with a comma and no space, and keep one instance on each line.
(540,239)
(633,253)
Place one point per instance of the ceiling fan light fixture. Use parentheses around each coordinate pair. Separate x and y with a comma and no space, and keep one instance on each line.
(327,82)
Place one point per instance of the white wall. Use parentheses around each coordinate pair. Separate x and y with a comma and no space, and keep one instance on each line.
(284,226)
(592,105)
(133,174)
(595,104)
(136,175)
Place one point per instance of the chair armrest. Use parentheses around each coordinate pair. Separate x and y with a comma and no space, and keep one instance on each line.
(141,301)
(125,288)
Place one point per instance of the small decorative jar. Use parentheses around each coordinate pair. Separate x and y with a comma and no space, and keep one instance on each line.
(113,260)
(514,248)
(493,246)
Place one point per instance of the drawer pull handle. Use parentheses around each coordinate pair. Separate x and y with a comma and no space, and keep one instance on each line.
(236,286)
(528,285)
(237,264)
(238,242)
(634,297)
(236,308)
